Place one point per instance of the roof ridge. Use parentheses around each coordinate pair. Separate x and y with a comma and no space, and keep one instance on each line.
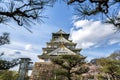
(61,32)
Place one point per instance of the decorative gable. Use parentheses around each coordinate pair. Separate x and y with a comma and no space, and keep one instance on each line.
(62,50)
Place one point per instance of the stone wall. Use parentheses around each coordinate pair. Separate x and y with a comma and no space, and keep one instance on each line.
(43,71)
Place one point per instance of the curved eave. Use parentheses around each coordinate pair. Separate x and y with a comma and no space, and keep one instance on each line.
(48,48)
(46,56)
(43,56)
(78,49)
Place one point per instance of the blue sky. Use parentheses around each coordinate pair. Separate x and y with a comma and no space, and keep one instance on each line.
(96,39)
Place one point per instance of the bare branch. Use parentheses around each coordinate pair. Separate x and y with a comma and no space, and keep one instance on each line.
(26,10)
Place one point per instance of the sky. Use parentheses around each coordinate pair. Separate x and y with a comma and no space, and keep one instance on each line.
(96,39)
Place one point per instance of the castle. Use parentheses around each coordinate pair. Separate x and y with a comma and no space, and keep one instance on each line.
(58,45)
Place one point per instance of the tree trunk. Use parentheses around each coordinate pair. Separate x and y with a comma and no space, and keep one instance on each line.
(69,75)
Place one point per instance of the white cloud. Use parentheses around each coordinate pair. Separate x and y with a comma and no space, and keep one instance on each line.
(88,33)
(29,47)
(13,54)
(114,41)
(82,23)
(87,44)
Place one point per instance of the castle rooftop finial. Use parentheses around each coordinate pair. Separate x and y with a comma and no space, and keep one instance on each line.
(61,32)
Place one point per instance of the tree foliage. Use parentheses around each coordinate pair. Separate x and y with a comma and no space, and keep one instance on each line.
(111,68)
(4,64)
(70,66)
(115,55)
(4,39)
(109,10)
(23,11)
(8,75)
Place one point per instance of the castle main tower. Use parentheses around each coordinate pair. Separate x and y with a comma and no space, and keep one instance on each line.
(58,45)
